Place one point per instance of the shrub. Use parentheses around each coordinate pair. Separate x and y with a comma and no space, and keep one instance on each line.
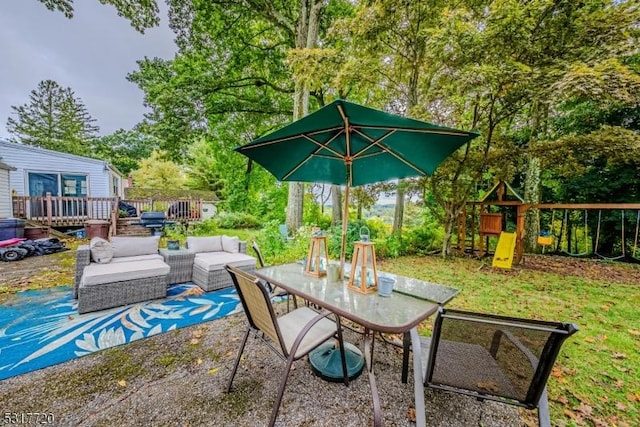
(232,220)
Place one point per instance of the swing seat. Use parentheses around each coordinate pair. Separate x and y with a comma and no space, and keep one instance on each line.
(545,239)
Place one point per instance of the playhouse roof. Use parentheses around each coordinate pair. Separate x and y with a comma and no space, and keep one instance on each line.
(502,192)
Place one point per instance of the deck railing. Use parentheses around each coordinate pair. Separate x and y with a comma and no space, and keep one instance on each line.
(56,211)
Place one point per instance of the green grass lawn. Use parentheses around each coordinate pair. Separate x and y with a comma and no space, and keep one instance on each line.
(596,379)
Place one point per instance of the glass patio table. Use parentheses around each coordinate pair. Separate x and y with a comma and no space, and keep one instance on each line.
(411,302)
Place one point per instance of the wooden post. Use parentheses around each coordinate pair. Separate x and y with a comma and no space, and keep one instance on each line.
(49,207)
(521,210)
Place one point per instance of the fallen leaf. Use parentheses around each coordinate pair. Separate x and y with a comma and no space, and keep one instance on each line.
(122,383)
(197,333)
(606,307)
(411,414)
(194,341)
(584,409)
(602,337)
(199,361)
(621,406)
(212,371)
(634,332)
(590,339)
(634,397)
(488,385)
(619,356)
(619,384)
(562,399)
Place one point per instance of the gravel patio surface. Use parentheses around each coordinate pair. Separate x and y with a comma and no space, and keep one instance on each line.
(179,379)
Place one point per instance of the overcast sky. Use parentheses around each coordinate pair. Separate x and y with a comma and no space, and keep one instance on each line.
(91,53)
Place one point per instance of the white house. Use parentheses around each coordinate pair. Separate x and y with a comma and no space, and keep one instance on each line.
(6,210)
(38,171)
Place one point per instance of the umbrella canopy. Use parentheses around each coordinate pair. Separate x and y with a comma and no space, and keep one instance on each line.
(348,144)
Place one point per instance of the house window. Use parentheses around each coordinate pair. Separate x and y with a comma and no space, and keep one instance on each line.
(57,184)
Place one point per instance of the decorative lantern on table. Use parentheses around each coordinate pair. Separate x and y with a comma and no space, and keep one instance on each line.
(318,256)
(364,273)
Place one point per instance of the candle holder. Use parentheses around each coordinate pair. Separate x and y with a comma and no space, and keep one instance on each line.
(364,272)
(318,257)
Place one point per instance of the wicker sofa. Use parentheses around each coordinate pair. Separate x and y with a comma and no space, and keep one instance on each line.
(212,254)
(123,271)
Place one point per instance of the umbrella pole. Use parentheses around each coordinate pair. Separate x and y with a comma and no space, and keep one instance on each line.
(345,218)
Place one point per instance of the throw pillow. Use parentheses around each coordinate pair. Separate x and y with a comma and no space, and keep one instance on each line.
(204,244)
(134,246)
(101,250)
(230,244)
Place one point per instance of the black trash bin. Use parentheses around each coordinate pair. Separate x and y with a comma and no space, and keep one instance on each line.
(97,228)
(11,228)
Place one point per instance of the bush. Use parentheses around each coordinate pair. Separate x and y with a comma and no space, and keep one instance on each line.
(232,220)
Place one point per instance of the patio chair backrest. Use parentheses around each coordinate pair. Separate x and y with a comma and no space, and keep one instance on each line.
(256,249)
(257,304)
(494,357)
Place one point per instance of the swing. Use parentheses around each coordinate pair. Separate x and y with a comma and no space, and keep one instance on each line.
(568,237)
(595,251)
(545,238)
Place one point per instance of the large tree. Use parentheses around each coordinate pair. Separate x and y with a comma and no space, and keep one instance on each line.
(142,13)
(54,118)
(124,149)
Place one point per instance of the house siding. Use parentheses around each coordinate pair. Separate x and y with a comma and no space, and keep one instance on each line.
(6,210)
(32,159)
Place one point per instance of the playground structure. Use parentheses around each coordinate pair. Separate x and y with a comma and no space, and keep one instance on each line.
(608,231)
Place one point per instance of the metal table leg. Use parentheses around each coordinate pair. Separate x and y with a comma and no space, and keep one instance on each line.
(368,356)
(418,385)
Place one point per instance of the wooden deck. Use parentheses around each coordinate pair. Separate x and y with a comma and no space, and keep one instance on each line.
(55,211)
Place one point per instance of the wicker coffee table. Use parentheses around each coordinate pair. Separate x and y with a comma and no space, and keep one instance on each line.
(181,263)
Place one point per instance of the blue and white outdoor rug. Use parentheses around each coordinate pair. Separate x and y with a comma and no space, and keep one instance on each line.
(43,328)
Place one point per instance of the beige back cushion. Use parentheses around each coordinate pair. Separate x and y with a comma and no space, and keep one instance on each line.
(230,244)
(204,244)
(101,250)
(134,246)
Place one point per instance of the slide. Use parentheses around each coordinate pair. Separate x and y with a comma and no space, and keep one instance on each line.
(503,258)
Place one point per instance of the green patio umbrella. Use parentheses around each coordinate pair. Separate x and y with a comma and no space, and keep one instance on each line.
(348,144)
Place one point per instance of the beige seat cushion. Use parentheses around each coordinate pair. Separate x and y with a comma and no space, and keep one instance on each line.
(292,323)
(137,258)
(134,246)
(204,244)
(212,261)
(97,274)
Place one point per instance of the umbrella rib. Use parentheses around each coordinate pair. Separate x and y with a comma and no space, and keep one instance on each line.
(289,138)
(319,147)
(385,149)
(417,130)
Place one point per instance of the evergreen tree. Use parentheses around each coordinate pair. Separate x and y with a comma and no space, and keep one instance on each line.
(53,118)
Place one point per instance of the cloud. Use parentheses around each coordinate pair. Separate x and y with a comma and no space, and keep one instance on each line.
(91,53)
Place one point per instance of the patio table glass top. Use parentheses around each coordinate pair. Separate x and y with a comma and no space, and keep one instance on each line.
(411,302)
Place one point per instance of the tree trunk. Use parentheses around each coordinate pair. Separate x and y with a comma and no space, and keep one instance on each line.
(532,195)
(307,37)
(398,214)
(336,205)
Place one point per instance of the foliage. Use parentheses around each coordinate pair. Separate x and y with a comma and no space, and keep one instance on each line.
(54,118)
(203,171)
(236,220)
(124,149)
(312,214)
(158,172)
(142,14)
(167,193)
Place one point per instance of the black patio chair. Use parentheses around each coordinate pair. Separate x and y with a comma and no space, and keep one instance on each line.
(291,336)
(273,290)
(494,357)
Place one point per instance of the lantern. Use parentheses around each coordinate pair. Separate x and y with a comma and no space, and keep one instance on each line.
(364,273)
(318,256)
